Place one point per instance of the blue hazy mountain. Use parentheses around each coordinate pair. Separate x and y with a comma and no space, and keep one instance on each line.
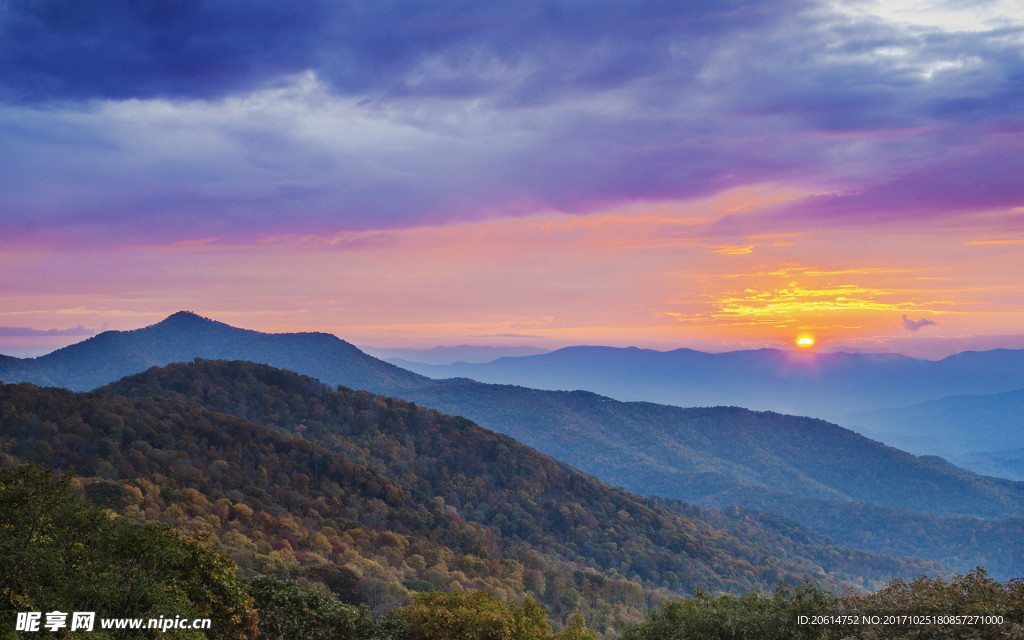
(183,336)
(984,432)
(464,353)
(1005,463)
(705,455)
(826,385)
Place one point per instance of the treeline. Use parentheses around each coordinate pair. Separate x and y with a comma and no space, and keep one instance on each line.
(971,606)
(60,554)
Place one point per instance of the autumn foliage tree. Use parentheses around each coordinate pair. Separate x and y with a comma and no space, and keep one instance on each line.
(577,630)
(972,605)
(478,615)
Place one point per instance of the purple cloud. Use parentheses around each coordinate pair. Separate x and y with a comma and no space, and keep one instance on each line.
(914,325)
(211,48)
(964,180)
(28,332)
(155,122)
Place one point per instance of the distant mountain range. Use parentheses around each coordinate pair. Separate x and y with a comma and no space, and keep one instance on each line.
(983,432)
(464,353)
(819,474)
(824,385)
(967,407)
(183,336)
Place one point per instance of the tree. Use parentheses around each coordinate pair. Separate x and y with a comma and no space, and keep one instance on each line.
(732,617)
(58,553)
(921,609)
(477,615)
(340,580)
(577,630)
(288,611)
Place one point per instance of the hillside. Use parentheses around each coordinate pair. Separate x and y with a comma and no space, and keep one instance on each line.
(404,496)
(691,454)
(710,454)
(963,542)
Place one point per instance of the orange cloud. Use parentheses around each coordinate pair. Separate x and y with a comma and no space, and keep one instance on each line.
(648,274)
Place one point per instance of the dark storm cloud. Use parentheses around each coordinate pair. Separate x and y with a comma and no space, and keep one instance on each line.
(63,49)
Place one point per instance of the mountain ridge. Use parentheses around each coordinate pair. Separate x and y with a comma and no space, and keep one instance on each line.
(462,353)
(994,422)
(183,336)
(824,385)
(715,456)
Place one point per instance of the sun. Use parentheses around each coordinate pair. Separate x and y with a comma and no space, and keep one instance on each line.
(804,341)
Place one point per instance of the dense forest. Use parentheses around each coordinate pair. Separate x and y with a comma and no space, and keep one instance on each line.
(378,499)
(59,553)
(767,440)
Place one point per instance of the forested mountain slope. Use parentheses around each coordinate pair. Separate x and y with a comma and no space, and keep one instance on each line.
(405,496)
(691,454)
(718,454)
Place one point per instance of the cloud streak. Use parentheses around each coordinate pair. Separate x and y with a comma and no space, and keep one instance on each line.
(24,332)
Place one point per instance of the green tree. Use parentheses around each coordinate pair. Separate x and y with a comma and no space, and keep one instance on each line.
(577,630)
(477,615)
(58,553)
(917,609)
(288,611)
(733,617)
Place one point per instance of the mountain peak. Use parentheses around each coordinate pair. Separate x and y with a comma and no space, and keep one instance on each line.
(186,320)
(186,335)
(180,317)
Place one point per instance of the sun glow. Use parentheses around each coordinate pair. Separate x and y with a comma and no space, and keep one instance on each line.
(805,341)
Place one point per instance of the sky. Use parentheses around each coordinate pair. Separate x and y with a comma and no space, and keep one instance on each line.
(711,174)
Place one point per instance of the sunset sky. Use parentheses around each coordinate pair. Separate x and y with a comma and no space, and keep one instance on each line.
(713,174)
